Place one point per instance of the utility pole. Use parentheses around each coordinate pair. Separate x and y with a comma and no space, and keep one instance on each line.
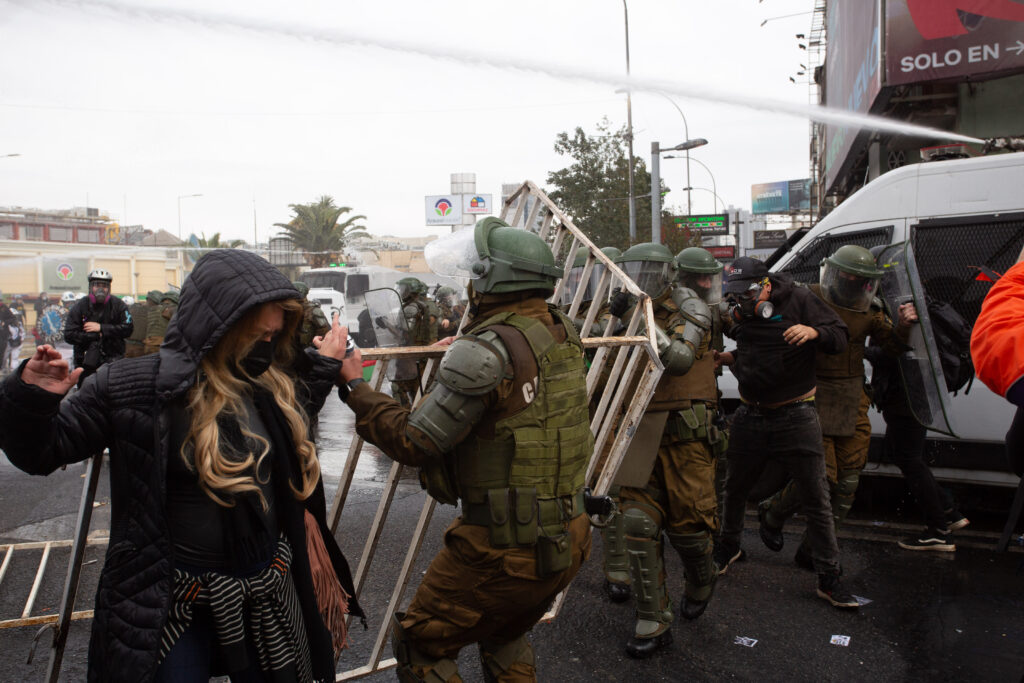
(629,136)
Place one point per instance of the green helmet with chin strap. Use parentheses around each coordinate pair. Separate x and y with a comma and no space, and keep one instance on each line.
(650,265)
(302,287)
(697,260)
(856,260)
(612,252)
(153,296)
(511,260)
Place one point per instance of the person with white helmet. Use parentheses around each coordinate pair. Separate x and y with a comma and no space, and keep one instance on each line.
(97,325)
(15,337)
(68,298)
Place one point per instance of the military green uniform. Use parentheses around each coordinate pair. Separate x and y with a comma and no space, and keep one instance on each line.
(134,345)
(421,318)
(314,322)
(679,498)
(842,405)
(157,319)
(518,474)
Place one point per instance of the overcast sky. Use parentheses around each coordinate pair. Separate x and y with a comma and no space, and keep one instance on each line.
(128,105)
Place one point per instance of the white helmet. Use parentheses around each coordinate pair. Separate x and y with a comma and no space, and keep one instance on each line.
(128,300)
(101,274)
(68,297)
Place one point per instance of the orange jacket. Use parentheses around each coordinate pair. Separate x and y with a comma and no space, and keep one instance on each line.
(997,342)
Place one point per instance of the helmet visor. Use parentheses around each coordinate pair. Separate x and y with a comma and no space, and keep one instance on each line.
(453,255)
(847,290)
(575,280)
(650,276)
(708,286)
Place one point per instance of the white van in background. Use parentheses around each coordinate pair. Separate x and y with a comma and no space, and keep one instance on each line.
(958,215)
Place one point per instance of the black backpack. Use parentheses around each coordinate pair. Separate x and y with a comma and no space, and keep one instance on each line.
(953,339)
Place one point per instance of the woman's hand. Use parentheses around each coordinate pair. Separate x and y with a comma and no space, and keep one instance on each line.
(47,370)
(333,343)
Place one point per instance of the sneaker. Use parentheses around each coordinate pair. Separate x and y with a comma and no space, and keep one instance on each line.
(929,539)
(724,557)
(771,536)
(956,521)
(831,588)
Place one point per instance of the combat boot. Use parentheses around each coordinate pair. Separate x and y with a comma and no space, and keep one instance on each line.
(699,569)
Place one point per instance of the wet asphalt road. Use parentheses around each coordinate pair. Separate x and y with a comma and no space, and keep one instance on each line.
(932,616)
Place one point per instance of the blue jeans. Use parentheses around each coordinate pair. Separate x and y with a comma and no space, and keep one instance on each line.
(193,658)
(790,435)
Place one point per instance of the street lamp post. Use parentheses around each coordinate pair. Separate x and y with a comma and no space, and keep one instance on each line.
(629,135)
(656,181)
(686,132)
(712,192)
(714,185)
(180,197)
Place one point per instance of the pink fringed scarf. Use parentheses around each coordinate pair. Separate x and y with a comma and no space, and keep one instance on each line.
(331,598)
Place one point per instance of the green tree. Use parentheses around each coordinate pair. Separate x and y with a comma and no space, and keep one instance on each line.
(316,230)
(594,189)
(213,242)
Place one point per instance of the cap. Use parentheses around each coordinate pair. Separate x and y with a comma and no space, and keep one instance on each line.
(742,272)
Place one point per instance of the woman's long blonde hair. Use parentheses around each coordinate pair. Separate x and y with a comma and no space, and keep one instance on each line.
(223,471)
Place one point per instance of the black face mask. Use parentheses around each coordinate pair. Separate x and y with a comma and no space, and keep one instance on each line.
(260,357)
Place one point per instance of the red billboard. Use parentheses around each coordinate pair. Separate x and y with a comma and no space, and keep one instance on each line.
(929,40)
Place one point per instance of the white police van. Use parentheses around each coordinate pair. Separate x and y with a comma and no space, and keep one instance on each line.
(954,218)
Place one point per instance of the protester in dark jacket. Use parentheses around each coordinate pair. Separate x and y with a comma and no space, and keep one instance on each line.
(780,327)
(215,419)
(97,325)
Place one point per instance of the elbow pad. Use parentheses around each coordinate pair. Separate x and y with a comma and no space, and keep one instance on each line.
(678,358)
(472,368)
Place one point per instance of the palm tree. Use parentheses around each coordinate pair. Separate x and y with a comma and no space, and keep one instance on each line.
(315,229)
(204,244)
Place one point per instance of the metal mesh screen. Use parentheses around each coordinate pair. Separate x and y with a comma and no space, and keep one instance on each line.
(949,253)
(804,268)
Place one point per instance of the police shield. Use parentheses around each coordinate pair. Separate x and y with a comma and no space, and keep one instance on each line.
(923,380)
(51,325)
(385,310)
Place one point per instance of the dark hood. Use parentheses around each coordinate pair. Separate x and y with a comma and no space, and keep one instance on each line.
(224,284)
(782,287)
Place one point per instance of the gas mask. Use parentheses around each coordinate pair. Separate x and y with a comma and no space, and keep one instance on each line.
(747,305)
(99,291)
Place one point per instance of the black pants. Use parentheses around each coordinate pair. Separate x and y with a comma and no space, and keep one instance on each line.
(790,435)
(904,446)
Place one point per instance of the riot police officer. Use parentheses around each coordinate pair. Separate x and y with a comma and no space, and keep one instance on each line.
(135,344)
(848,282)
(450,310)
(314,322)
(678,499)
(421,320)
(503,431)
(575,280)
(157,320)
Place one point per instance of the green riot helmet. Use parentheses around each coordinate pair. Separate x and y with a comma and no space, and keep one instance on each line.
(497,258)
(446,296)
(302,287)
(849,278)
(651,266)
(409,286)
(169,296)
(153,296)
(698,270)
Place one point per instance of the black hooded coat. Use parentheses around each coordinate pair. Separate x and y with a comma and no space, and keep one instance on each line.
(128,407)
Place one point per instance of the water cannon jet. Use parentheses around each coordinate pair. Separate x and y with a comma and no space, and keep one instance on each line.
(1011,143)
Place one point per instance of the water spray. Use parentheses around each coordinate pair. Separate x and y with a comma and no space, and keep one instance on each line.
(691,91)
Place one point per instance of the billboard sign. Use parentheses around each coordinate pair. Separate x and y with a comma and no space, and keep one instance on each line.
(769,239)
(727,252)
(928,40)
(476,204)
(853,72)
(62,274)
(443,209)
(705,223)
(786,196)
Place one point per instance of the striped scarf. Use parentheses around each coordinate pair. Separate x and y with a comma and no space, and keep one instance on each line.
(272,620)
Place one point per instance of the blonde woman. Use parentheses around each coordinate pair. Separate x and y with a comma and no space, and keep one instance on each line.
(220,560)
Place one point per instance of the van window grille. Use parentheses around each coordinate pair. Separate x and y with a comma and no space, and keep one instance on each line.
(805,267)
(949,251)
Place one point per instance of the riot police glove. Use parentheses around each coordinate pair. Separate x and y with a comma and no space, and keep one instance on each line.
(381,322)
(620,304)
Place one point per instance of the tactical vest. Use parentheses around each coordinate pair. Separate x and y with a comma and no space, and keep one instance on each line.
(140,317)
(698,384)
(421,332)
(156,323)
(850,361)
(524,479)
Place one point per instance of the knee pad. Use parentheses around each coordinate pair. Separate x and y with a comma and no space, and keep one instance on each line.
(414,666)
(515,657)
(638,522)
(616,565)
